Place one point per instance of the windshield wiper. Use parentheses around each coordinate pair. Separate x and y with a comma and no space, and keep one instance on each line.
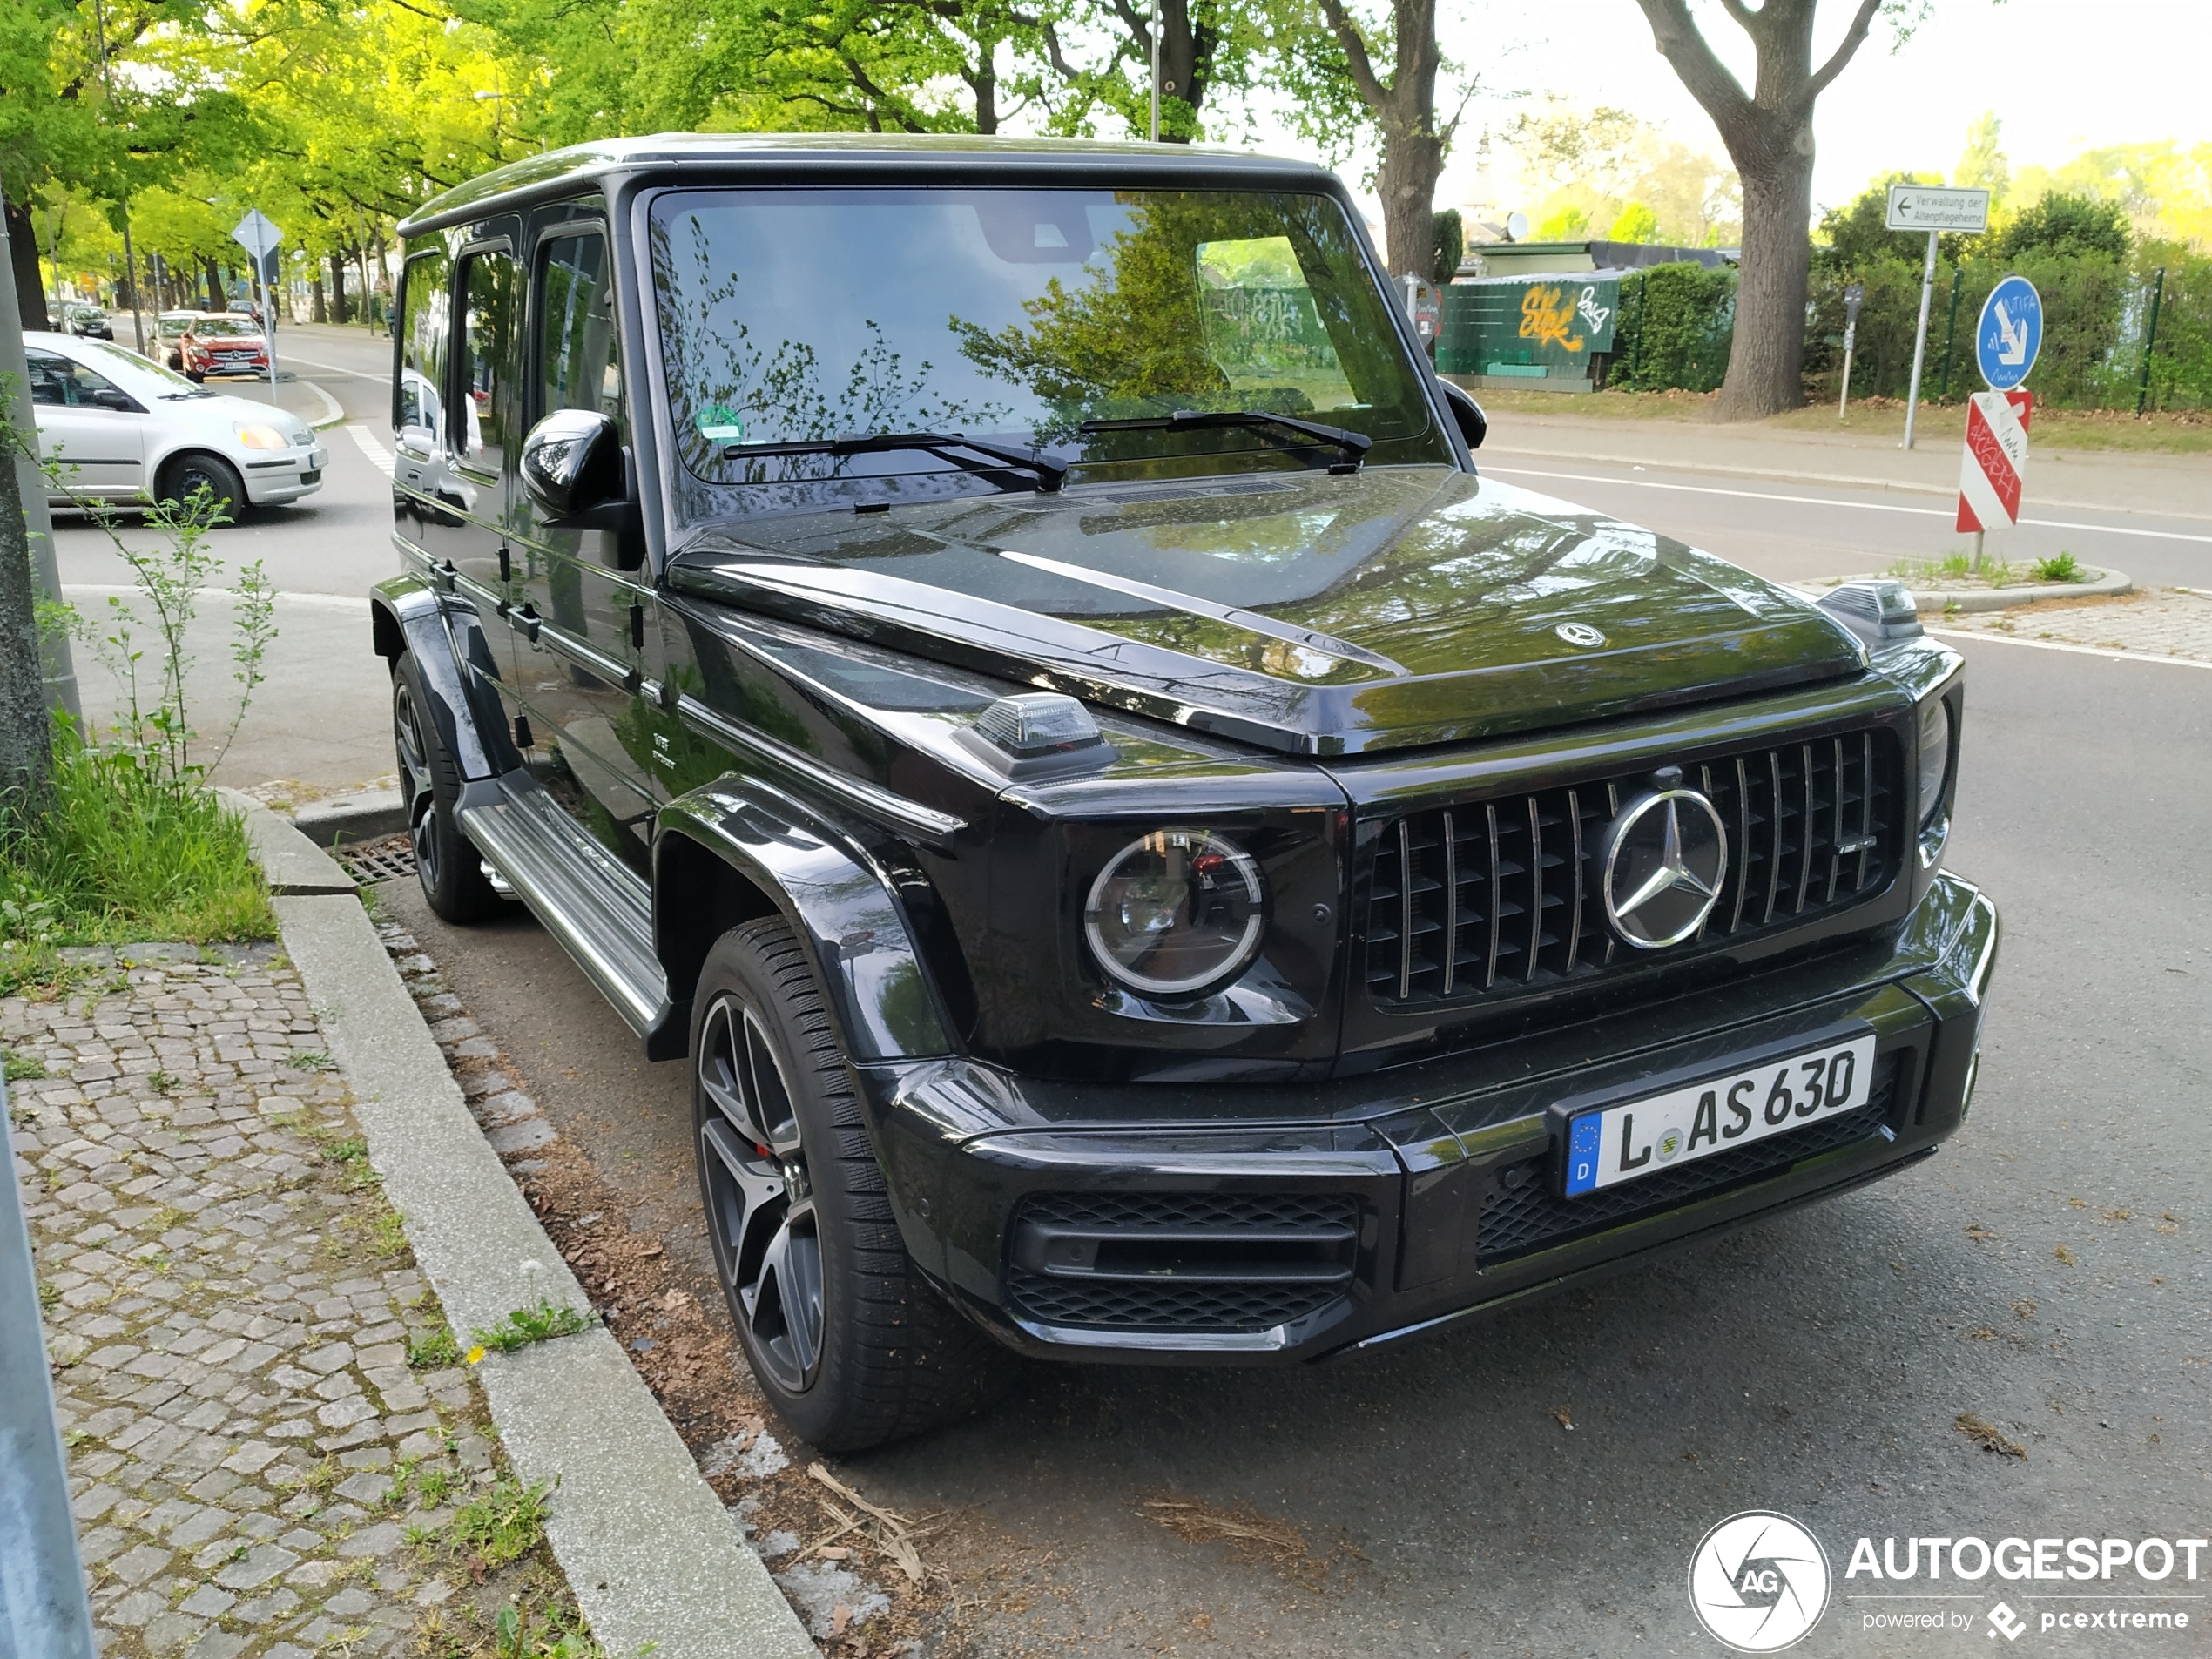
(1049,474)
(1353,446)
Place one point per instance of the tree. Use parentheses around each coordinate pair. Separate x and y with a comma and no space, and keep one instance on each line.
(1768,133)
(1983,165)
(1330,59)
(2066,227)
(1586,168)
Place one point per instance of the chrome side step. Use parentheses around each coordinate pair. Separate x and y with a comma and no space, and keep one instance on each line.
(599,907)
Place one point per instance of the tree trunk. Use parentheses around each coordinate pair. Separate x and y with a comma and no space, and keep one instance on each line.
(1412,162)
(337,286)
(316,310)
(1405,111)
(22,249)
(26,750)
(1766,361)
(214,276)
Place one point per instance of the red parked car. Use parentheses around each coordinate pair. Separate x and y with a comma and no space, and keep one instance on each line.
(224,346)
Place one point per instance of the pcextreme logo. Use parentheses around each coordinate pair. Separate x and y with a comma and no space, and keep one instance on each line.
(1758,1582)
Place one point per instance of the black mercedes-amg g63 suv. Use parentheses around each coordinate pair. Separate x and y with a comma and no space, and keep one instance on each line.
(999,653)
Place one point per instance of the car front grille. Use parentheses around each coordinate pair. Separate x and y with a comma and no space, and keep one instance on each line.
(1523,1208)
(1499,897)
(1188,1262)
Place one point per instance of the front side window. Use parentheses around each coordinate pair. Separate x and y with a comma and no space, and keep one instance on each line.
(485,343)
(425,324)
(59,382)
(578,364)
(1021,317)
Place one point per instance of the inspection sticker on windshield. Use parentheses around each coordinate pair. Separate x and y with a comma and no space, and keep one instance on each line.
(1641,1138)
(719,424)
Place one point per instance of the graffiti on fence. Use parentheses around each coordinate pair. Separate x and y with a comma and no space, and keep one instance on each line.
(1546,320)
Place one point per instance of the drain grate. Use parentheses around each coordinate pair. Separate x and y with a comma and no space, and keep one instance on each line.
(389,858)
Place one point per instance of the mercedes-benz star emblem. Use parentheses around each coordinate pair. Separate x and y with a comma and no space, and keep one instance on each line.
(1579,633)
(1665,857)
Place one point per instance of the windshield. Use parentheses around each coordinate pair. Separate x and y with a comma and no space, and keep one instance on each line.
(227,327)
(1015,317)
(123,357)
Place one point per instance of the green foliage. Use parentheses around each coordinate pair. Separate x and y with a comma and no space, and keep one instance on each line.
(432,1349)
(1636,223)
(2062,568)
(2062,226)
(1677,322)
(1855,238)
(503,1523)
(24,1068)
(538,1323)
(1451,245)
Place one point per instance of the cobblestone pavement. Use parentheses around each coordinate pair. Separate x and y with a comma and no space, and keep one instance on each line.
(2157,622)
(230,1306)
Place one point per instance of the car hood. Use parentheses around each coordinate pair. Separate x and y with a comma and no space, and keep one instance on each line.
(1309,613)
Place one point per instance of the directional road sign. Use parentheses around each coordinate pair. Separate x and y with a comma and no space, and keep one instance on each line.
(1938,208)
(2010,333)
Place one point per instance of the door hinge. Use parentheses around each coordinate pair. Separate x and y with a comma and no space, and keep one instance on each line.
(637,627)
(521,731)
(506,566)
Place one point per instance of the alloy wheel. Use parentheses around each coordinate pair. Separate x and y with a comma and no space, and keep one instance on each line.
(768,1243)
(414,784)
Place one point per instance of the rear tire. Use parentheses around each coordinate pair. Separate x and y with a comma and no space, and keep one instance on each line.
(190,472)
(851,1345)
(446,862)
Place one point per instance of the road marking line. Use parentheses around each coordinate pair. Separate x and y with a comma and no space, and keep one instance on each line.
(338,368)
(347,602)
(1821,501)
(332,414)
(379,456)
(2078,650)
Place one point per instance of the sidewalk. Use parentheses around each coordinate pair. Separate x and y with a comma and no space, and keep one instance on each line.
(2172,623)
(2167,485)
(270,1432)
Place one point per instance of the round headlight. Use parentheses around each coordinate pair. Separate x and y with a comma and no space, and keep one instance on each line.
(1175,912)
(1935,756)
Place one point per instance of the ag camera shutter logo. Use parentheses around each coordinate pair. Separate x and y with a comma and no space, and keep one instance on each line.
(1758,1582)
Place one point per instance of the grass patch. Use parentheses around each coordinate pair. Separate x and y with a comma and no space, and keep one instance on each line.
(388,1235)
(539,1322)
(24,1068)
(503,1523)
(2063,568)
(432,1349)
(310,1060)
(122,853)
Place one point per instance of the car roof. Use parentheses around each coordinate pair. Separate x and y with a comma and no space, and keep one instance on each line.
(784,158)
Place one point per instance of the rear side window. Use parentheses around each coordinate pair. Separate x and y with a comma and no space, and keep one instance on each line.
(425,326)
(485,344)
(578,364)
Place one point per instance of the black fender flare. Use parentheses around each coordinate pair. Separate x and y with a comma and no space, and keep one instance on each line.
(407,614)
(840,903)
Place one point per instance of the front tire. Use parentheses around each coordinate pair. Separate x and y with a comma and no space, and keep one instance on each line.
(852,1346)
(190,473)
(446,863)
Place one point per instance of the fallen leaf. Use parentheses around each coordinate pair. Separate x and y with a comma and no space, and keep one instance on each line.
(1988,1436)
(1563,1419)
(2064,1255)
(840,1616)
(1979,1233)
(2024,1308)
(835,1553)
(1984,1334)
(1201,1621)
(2117,1215)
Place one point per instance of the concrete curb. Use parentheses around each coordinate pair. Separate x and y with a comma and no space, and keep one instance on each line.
(331,414)
(362,816)
(648,1549)
(1937,602)
(294,866)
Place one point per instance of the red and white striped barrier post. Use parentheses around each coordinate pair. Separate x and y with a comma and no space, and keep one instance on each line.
(1995,462)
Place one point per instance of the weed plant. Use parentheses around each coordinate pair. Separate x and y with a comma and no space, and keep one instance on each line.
(127,843)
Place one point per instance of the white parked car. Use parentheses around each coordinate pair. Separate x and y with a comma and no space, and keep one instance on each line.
(126,430)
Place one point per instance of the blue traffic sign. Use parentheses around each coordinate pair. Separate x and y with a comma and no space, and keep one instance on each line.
(2010,333)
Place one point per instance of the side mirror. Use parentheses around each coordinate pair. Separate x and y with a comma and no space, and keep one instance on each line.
(114,397)
(577,475)
(1467,413)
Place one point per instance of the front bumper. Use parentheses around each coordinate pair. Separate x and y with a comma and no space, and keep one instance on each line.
(286,477)
(1209,1224)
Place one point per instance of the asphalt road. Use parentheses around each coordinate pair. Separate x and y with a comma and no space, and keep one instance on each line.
(2046,1272)
(323,715)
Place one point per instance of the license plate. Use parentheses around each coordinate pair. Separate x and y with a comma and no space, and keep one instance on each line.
(1641,1138)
